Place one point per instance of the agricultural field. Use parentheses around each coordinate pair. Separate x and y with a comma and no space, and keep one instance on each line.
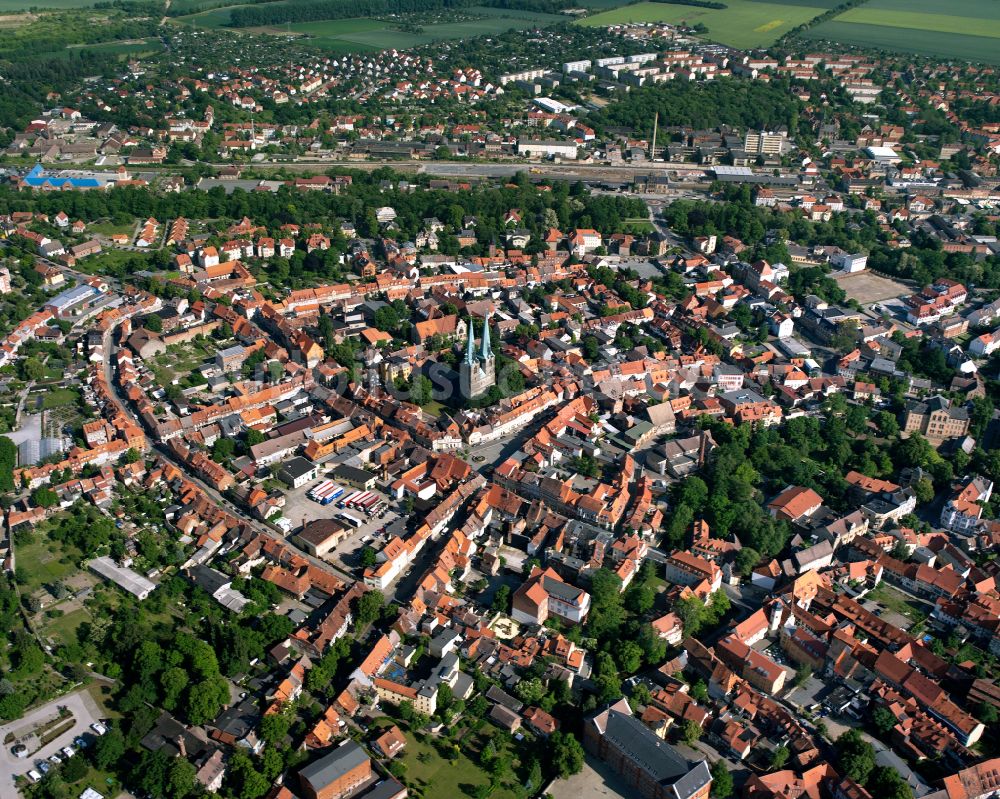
(360,34)
(9,6)
(743,23)
(970,30)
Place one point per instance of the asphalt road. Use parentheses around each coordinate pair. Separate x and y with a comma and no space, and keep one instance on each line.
(85,712)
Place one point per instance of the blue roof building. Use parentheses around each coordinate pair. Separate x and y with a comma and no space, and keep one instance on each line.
(37,179)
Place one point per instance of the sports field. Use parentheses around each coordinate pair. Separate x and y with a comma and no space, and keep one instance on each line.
(963,29)
(743,23)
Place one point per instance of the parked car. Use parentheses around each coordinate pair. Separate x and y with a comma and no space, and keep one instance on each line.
(68,751)
(55,759)
(19,750)
(34,776)
(99,728)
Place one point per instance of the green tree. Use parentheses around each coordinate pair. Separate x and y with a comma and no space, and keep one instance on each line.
(746,561)
(206,699)
(639,598)
(368,606)
(565,754)
(924,489)
(608,682)
(32,368)
(722,780)
(421,390)
(223,450)
(369,557)
(629,656)
(883,721)
(274,728)
(44,497)
(154,323)
(74,769)
(501,599)
(779,757)
(530,691)
(855,755)
(886,783)
(690,731)
(8,462)
(641,695)
(109,749)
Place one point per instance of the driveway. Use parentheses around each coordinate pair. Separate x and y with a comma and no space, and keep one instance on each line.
(84,711)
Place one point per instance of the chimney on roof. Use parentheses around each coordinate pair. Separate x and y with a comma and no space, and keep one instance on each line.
(181,746)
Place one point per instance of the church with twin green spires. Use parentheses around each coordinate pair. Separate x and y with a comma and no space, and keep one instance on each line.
(478,371)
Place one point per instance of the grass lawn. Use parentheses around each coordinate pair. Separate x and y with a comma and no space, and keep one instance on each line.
(42,561)
(63,628)
(109,228)
(100,781)
(110,261)
(743,23)
(434,408)
(60,397)
(897,601)
(440,777)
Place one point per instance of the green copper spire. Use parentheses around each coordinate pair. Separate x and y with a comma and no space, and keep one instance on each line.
(486,352)
(470,348)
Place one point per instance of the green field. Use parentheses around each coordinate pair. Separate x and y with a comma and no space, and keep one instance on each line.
(458,776)
(134,48)
(60,397)
(214,18)
(743,23)
(8,6)
(63,628)
(359,34)
(970,30)
(44,561)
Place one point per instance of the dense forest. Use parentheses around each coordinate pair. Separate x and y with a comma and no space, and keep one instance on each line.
(708,104)
(36,58)
(29,79)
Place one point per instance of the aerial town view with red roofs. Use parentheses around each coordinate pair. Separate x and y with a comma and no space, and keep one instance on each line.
(518,400)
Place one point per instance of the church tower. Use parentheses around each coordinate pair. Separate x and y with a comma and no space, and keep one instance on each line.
(477,371)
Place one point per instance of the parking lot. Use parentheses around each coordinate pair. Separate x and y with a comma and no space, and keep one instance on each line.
(374,532)
(84,712)
(299,509)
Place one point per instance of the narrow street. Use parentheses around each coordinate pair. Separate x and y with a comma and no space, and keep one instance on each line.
(168,456)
